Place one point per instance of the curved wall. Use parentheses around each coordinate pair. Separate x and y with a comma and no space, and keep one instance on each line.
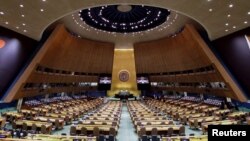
(63,53)
(175,61)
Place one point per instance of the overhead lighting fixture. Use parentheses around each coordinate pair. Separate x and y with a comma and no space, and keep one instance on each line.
(228,15)
(210,10)
(245,22)
(21,5)
(231,5)
(234,26)
(23,24)
(41,10)
(248,13)
(226,24)
(6,22)
(17,27)
(2,13)
(209,0)
(44,0)
(226,30)
(22,15)
(24,30)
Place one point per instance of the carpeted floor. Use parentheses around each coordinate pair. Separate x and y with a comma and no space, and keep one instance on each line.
(126,130)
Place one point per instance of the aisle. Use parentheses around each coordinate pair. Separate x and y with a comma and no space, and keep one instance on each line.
(126,130)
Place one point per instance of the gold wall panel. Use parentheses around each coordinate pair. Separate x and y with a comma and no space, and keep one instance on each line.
(123,61)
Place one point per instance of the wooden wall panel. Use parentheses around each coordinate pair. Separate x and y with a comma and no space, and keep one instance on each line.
(52,78)
(184,52)
(80,55)
(169,54)
(64,52)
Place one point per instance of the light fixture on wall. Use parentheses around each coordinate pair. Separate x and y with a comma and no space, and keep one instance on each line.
(2,43)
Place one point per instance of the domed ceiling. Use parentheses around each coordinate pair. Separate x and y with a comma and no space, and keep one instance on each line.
(32,18)
(125,24)
(124,18)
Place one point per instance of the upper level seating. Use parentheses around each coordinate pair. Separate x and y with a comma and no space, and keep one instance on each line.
(191,98)
(213,102)
(32,103)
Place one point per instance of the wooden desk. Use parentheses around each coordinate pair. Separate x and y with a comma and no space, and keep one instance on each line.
(202,119)
(97,115)
(2,122)
(52,120)
(145,116)
(102,118)
(7,134)
(234,115)
(219,112)
(162,130)
(59,138)
(67,118)
(149,118)
(153,122)
(25,112)
(104,129)
(248,120)
(191,138)
(29,123)
(10,116)
(98,122)
(221,122)
(197,115)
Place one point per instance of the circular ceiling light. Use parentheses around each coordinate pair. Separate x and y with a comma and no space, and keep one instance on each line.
(124,18)
(2,43)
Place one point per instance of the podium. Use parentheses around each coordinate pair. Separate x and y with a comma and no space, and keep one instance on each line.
(123,96)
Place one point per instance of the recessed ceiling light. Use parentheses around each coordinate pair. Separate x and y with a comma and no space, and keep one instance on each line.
(248,13)
(231,5)
(228,15)
(17,27)
(209,0)
(23,24)
(22,15)
(41,10)
(6,22)
(245,22)
(24,30)
(226,30)
(44,0)
(210,10)
(21,5)
(2,13)
(226,24)
(234,26)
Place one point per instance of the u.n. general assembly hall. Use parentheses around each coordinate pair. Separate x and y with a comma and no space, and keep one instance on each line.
(127,70)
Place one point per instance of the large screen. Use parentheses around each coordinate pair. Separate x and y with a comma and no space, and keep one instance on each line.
(105,80)
(142,80)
